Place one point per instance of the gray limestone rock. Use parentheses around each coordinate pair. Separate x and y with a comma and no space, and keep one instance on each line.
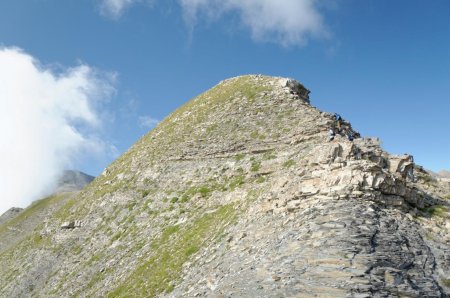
(71,224)
(239,193)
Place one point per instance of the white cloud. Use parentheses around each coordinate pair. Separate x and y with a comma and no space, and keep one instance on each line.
(147,122)
(115,8)
(289,22)
(46,120)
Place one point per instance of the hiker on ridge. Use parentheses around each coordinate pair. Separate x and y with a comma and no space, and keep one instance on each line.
(409,168)
(350,135)
(406,167)
(338,120)
(331,134)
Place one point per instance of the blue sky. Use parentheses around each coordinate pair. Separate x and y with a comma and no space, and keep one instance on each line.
(383,65)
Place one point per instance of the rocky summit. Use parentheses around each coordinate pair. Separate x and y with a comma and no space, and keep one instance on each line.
(241,192)
(71,181)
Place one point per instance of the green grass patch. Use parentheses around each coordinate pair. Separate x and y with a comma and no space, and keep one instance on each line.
(255,166)
(191,250)
(116,236)
(260,179)
(257,135)
(239,157)
(211,128)
(102,190)
(131,206)
(95,279)
(289,163)
(168,232)
(40,240)
(185,199)
(437,210)
(236,181)
(76,250)
(204,191)
(251,91)
(269,155)
(161,270)
(446,282)
(94,259)
(189,193)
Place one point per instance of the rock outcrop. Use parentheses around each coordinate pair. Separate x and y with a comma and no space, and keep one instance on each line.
(71,224)
(239,194)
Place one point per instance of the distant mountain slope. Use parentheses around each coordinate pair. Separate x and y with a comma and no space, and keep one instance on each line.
(25,222)
(72,181)
(17,223)
(9,214)
(444,174)
(239,193)
(69,181)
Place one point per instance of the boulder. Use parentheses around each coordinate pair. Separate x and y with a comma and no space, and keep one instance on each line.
(71,224)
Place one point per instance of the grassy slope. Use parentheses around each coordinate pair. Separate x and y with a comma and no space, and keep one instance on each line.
(206,218)
(30,219)
(22,235)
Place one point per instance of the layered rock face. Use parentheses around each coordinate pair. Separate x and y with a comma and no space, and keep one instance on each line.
(239,194)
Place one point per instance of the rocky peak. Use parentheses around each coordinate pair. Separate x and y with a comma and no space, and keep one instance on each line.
(240,193)
(72,181)
(296,88)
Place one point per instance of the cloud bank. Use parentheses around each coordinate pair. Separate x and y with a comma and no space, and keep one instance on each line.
(287,22)
(47,119)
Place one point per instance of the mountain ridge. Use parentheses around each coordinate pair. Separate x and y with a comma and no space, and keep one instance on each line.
(239,193)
